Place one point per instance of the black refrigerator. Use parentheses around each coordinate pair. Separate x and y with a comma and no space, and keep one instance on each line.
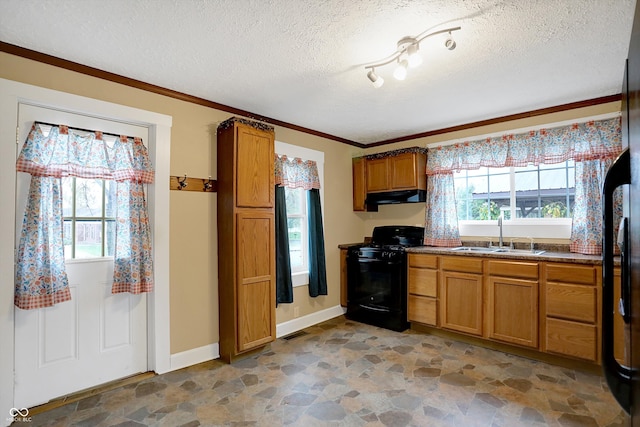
(623,378)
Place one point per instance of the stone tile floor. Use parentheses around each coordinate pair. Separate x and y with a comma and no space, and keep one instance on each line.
(343,373)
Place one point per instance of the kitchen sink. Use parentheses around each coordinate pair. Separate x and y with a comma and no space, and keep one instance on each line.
(476,249)
(518,251)
(493,250)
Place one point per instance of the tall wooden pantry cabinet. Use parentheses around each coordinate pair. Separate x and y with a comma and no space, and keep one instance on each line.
(246,237)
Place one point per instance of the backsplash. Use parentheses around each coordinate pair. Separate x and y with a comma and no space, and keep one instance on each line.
(521,244)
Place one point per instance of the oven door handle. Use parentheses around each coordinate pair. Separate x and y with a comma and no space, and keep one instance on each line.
(368,307)
(371,260)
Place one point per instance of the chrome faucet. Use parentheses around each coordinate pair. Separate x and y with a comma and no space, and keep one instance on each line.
(500,226)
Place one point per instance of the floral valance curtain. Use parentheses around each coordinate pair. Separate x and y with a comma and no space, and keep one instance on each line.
(296,173)
(580,141)
(592,145)
(62,153)
(41,278)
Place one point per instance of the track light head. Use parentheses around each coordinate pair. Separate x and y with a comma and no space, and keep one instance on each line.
(376,80)
(414,57)
(400,73)
(450,43)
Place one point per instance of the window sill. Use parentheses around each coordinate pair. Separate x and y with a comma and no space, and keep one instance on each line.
(300,279)
(557,228)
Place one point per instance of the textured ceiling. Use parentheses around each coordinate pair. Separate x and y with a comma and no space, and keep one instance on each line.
(301,61)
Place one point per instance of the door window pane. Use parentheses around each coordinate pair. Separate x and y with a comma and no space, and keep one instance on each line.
(89,197)
(110,199)
(110,238)
(88,239)
(67,196)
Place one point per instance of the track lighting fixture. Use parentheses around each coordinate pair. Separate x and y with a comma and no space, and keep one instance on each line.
(376,80)
(406,55)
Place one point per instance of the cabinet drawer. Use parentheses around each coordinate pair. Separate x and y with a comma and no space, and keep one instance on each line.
(423,310)
(525,270)
(574,302)
(423,282)
(572,339)
(423,261)
(461,263)
(571,273)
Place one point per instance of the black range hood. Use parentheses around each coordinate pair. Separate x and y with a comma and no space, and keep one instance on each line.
(393,197)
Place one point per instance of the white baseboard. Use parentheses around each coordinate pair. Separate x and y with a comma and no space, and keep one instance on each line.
(195,356)
(212,351)
(299,323)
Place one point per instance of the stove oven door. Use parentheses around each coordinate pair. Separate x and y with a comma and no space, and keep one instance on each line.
(377,291)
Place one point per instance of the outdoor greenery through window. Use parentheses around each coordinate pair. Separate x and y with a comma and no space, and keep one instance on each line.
(543,191)
(88,209)
(296,199)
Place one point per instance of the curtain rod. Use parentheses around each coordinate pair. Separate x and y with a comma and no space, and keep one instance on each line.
(80,129)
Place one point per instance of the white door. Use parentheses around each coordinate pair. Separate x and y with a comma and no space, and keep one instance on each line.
(96,337)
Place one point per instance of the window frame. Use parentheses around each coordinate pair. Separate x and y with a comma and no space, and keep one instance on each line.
(301,278)
(555,228)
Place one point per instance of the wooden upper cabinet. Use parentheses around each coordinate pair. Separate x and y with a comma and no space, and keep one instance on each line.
(378,175)
(359,166)
(407,171)
(255,179)
(404,171)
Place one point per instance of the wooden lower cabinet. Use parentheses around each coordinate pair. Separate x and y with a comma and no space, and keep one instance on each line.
(552,307)
(256,279)
(343,277)
(423,310)
(572,338)
(422,284)
(572,310)
(571,302)
(512,302)
(513,311)
(461,302)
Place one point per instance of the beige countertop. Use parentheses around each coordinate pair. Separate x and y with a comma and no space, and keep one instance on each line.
(523,255)
(520,255)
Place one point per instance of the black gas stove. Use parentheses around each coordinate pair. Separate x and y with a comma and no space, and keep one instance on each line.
(377,277)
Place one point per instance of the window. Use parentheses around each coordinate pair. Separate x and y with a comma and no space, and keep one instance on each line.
(297,219)
(88,209)
(544,191)
(297,226)
(537,201)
